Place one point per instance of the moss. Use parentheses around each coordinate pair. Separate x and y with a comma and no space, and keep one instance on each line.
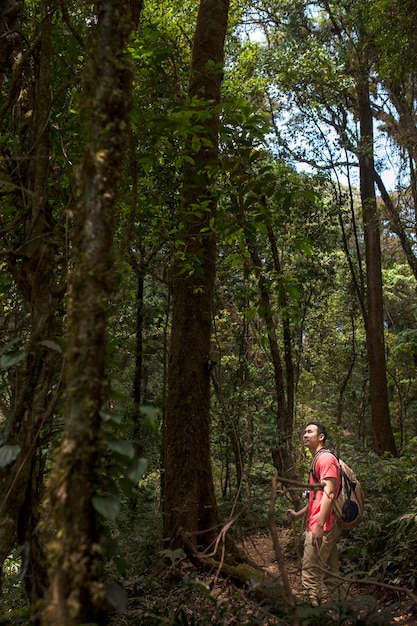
(242,573)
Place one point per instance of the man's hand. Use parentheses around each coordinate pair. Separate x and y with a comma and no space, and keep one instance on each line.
(317,536)
(293,516)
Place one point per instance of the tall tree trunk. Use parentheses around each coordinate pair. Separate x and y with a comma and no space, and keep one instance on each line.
(34,274)
(189,501)
(381,424)
(76,594)
(136,416)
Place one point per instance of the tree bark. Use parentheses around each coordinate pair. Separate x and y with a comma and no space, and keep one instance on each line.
(34,273)
(76,594)
(189,504)
(381,424)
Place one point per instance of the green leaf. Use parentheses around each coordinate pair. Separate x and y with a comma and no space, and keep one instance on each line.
(12,358)
(107,506)
(173,555)
(9,344)
(189,159)
(52,345)
(122,447)
(115,596)
(150,416)
(8,454)
(136,469)
(121,564)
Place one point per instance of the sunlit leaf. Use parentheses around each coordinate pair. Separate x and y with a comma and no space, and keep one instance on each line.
(174,555)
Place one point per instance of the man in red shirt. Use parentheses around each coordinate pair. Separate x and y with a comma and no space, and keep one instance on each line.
(320,559)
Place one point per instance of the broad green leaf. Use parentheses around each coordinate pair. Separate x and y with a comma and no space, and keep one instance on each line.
(12,358)
(9,344)
(52,345)
(8,454)
(136,469)
(150,416)
(115,596)
(122,447)
(189,159)
(174,555)
(107,506)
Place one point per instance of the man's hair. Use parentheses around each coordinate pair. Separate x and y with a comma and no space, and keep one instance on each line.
(321,430)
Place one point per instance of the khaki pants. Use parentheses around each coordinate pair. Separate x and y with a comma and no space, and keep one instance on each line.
(320,566)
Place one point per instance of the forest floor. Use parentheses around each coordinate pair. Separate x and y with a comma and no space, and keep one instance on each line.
(182,595)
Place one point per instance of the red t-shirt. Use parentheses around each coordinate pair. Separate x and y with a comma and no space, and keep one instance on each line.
(326,466)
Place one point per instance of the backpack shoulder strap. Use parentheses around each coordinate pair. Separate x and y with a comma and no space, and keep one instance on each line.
(313,463)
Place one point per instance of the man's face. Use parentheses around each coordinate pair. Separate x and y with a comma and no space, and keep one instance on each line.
(311,438)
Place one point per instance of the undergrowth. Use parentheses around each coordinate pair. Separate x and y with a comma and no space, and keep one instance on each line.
(384,545)
(174,593)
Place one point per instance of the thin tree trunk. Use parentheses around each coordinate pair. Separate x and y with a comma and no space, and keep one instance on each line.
(282,454)
(288,357)
(137,376)
(339,410)
(189,504)
(137,379)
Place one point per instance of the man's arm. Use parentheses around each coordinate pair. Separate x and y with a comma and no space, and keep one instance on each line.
(295,515)
(325,508)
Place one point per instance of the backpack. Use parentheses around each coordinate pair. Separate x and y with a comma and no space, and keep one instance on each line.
(348,505)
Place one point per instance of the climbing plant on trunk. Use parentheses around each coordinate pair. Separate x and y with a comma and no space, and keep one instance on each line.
(77,592)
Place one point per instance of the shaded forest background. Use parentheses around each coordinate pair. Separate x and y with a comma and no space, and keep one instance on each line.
(208,237)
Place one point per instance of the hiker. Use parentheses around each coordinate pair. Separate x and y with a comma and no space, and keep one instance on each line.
(320,559)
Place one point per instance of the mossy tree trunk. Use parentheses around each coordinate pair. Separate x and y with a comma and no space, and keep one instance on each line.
(76,594)
(189,507)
